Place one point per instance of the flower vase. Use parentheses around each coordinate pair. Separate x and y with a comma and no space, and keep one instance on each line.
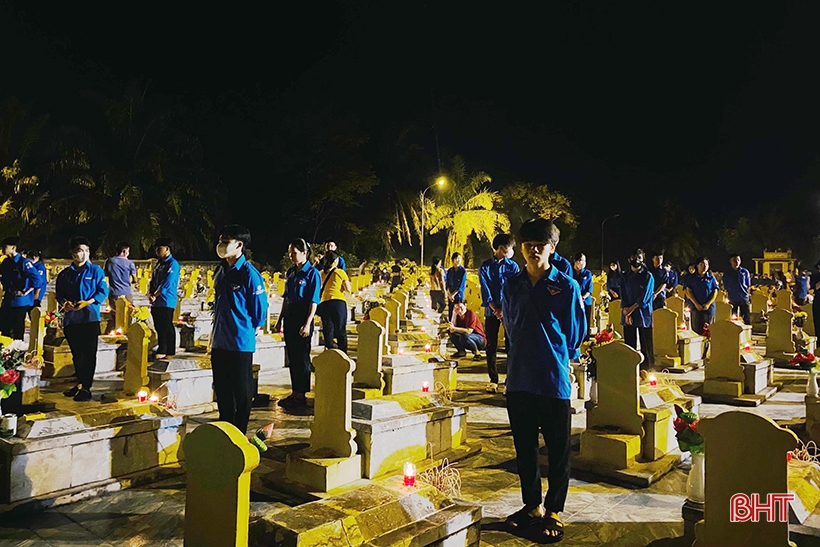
(695,491)
(593,391)
(811,386)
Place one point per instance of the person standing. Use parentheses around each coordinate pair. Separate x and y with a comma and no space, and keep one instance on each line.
(302,296)
(636,307)
(702,291)
(466,332)
(396,276)
(456,282)
(330,245)
(333,306)
(660,278)
(583,277)
(42,277)
(614,280)
(544,317)
(163,296)
(492,276)
(801,287)
(437,299)
(240,309)
(122,273)
(20,279)
(672,278)
(80,290)
(736,281)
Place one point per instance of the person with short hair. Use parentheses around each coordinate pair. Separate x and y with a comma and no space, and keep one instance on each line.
(702,291)
(302,296)
(736,281)
(333,306)
(614,280)
(396,276)
(636,307)
(20,279)
(544,317)
(240,309)
(660,277)
(455,281)
(492,276)
(672,278)
(80,290)
(330,245)
(437,287)
(121,273)
(801,287)
(163,296)
(583,277)
(42,277)
(466,332)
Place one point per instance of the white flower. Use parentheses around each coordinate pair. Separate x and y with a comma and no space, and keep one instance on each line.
(18,345)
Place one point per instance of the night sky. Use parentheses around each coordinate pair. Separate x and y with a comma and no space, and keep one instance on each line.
(618,105)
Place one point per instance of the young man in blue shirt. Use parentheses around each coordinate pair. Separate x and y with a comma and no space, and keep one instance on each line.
(544,317)
(702,291)
(736,281)
(660,277)
(80,289)
(20,279)
(163,296)
(455,282)
(240,308)
(672,278)
(121,274)
(330,245)
(42,277)
(492,276)
(801,287)
(583,277)
(636,307)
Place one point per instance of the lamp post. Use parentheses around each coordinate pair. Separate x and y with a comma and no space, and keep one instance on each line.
(603,266)
(440,182)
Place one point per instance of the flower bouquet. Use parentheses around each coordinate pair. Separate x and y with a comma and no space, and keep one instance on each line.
(588,359)
(686,431)
(804,361)
(800,319)
(11,358)
(53,320)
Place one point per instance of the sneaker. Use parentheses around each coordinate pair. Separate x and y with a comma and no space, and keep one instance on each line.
(83,395)
(71,392)
(287,401)
(477,357)
(459,355)
(491,388)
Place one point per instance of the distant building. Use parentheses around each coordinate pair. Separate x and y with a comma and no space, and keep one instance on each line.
(774,261)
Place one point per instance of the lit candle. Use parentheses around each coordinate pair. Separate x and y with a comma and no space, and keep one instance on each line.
(119,331)
(652,380)
(427,348)
(142,396)
(154,398)
(112,333)
(748,347)
(401,352)
(734,317)
(425,387)
(423,329)
(409,474)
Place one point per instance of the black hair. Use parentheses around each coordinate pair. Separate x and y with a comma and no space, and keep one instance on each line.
(577,256)
(458,300)
(33,253)
(455,254)
(732,255)
(617,265)
(659,252)
(300,245)
(11,240)
(122,245)
(503,239)
(236,232)
(701,259)
(539,229)
(328,258)
(76,241)
(164,242)
(331,240)
(436,260)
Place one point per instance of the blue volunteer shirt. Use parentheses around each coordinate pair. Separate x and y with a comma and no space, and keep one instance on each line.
(342,264)
(584,280)
(737,283)
(702,287)
(303,285)
(42,279)
(120,270)
(85,283)
(19,275)
(165,283)
(456,280)
(801,287)
(562,264)
(545,323)
(638,288)
(614,282)
(492,276)
(660,277)
(672,281)
(240,306)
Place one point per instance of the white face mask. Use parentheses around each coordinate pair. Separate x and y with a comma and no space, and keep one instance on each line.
(224,250)
(80,257)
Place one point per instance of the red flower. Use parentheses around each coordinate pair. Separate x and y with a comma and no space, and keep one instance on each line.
(9,377)
(694,425)
(679,425)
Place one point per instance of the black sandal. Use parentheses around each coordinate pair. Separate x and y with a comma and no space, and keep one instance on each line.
(521,519)
(551,524)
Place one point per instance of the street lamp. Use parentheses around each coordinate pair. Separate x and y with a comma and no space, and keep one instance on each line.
(603,266)
(440,183)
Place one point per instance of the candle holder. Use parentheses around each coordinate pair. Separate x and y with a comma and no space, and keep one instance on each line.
(425,387)
(142,396)
(652,380)
(409,474)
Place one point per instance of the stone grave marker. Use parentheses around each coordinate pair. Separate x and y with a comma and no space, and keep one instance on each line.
(779,337)
(381,316)
(731,437)
(665,337)
(369,355)
(808,326)
(784,299)
(219,461)
(759,302)
(122,314)
(51,302)
(136,365)
(615,316)
(37,332)
(393,323)
(723,311)
(733,374)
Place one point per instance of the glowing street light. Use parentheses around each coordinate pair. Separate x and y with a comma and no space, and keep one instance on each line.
(441,182)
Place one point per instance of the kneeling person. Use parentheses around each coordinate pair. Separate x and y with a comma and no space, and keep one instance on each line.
(466,332)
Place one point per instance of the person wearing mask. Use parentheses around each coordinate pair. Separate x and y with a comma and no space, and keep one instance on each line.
(163,296)
(437,288)
(492,276)
(80,290)
(583,277)
(20,279)
(801,287)
(660,278)
(240,309)
(672,280)
(333,306)
(544,317)
(702,291)
(456,282)
(736,281)
(614,280)
(42,277)
(122,273)
(302,296)
(466,332)
(636,307)
(330,245)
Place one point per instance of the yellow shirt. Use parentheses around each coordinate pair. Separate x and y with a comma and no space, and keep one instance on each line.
(333,285)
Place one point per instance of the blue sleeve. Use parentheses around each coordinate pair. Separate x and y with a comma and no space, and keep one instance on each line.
(484,282)
(649,293)
(171,283)
(574,322)
(60,290)
(133,269)
(587,288)
(101,289)
(745,281)
(342,263)
(463,281)
(30,272)
(256,299)
(313,286)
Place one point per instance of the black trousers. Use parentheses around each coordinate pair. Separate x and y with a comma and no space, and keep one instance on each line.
(491,327)
(233,385)
(588,314)
(659,302)
(334,323)
(13,320)
(530,414)
(82,339)
(631,334)
(297,348)
(166,333)
(742,310)
(700,318)
(438,301)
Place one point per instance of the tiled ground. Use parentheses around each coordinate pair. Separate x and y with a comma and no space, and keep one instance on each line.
(596,513)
